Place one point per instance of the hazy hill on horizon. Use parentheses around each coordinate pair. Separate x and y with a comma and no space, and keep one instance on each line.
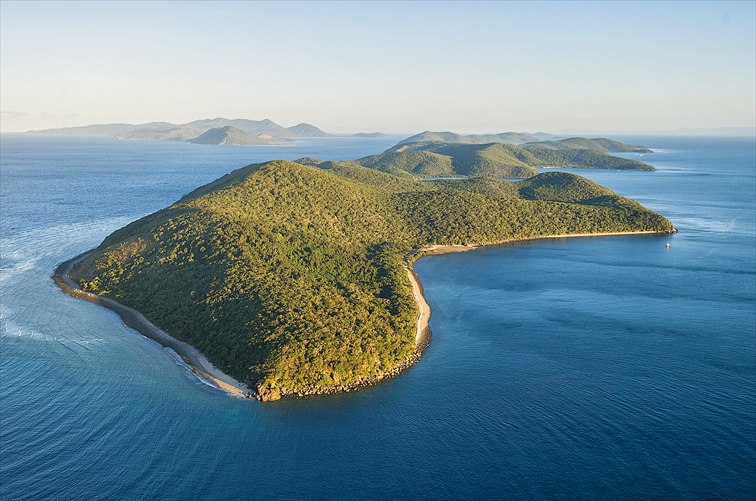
(453,137)
(526,140)
(232,136)
(167,131)
(370,134)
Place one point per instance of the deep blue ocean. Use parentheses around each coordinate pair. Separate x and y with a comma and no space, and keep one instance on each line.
(596,368)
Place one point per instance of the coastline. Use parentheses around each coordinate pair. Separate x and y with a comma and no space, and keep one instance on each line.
(447,249)
(198,364)
(203,368)
(423,333)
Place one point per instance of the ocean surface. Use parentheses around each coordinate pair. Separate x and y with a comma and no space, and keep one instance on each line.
(571,369)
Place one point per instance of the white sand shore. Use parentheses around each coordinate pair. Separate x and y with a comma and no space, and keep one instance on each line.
(197,362)
(422,334)
(202,367)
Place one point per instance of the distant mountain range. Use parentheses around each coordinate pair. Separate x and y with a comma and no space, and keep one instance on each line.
(453,137)
(192,131)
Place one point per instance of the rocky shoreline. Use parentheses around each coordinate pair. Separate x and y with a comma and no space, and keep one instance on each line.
(346,388)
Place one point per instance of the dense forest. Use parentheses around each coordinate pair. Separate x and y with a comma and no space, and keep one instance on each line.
(291,277)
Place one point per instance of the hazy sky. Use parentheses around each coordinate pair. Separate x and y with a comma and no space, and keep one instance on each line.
(396,67)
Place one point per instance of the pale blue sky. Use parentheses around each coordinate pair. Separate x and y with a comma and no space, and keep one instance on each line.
(395,67)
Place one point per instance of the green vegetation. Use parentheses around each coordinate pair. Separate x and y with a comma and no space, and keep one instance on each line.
(229,136)
(290,277)
(584,159)
(449,159)
(452,137)
(489,160)
(600,145)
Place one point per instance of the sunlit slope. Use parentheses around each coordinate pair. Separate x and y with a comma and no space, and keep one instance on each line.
(508,160)
(228,136)
(599,144)
(290,277)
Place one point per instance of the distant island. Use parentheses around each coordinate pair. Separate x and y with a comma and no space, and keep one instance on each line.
(537,140)
(599,145)
(453,137)
(369,134)
(297,279)
(231,136)
(435,159)
(192,131)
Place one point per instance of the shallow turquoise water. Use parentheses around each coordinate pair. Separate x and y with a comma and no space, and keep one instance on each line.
(608,367)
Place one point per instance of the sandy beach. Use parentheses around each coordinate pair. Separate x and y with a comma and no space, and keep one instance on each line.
(202,367)
(422,332)
(199,365)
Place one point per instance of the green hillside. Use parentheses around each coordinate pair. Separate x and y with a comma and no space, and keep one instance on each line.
(538,140)
(600,145)
(290,277)
(585,159)
(422,163)
(452,137)
(228,136)
(556,187)
(449,159)
(490,160)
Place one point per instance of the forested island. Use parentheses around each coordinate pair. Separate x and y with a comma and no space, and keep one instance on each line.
(538,139)
(494,159)
(295,279)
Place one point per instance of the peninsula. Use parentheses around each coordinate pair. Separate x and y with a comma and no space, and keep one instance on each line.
(496,159)
(296,279)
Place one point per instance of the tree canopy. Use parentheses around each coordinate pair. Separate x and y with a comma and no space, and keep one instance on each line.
(291,277)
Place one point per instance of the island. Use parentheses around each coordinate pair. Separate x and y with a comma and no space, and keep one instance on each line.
(231,136)
(598,144)
(536,140)
(369,134)
(429,136)
(193,131)
(296,279)
(437,159)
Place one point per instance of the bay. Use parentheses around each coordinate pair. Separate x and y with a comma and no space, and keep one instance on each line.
(572,368)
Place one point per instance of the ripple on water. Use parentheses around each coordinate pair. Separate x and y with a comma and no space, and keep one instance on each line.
(575,369)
